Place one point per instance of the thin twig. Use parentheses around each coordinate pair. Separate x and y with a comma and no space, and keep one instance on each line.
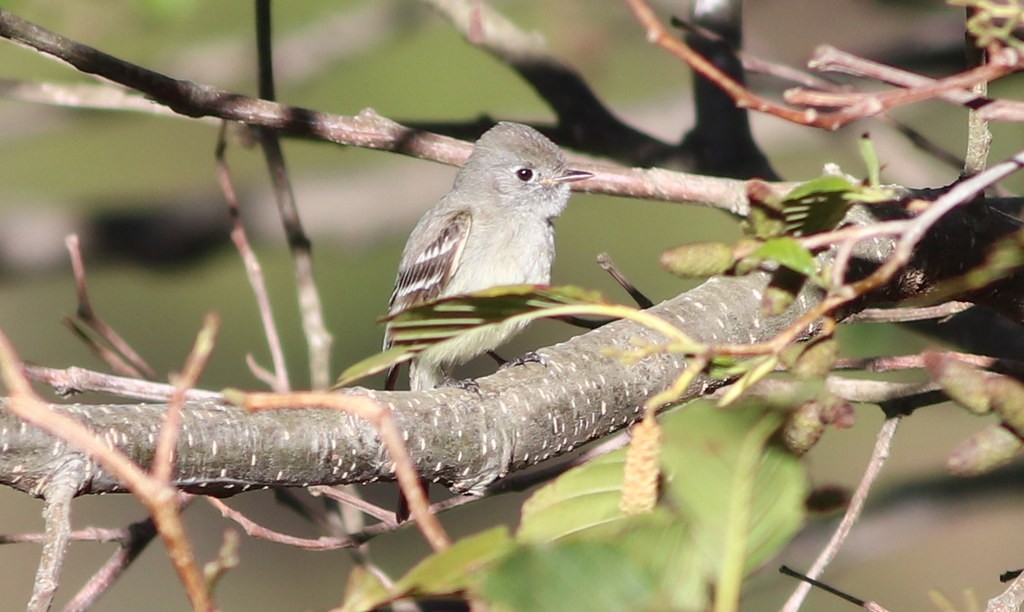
(318,338)
(73,380)
(158,498)
(879,455)
(605,262)
(367,130)
(163,458)
(346,498)
(256,530)
(828,58)
(132,540)
(94,322)
(253,271)
(58,493)
(904,315)
(383,421)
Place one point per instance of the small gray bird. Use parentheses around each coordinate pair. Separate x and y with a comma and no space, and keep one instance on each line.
(493,228)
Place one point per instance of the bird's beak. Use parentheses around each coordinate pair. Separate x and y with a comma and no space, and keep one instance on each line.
(571,176)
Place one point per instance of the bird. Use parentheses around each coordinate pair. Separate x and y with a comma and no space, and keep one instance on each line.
(495,227)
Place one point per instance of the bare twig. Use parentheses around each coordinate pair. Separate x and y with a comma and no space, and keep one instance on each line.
(157,497)
(75,380)
(132,540)
(335,493)
(381,418)
(828,58)
(604,260)
(59,492)
(278,380)
(903,315)
(318,338)
(163,460)
(256,530)
(879,455)
(367,130)
(138,365)
(853,106)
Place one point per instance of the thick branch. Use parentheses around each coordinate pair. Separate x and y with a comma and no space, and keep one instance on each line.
(521,416)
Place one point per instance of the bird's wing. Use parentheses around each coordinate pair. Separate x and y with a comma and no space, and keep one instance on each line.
(425,275)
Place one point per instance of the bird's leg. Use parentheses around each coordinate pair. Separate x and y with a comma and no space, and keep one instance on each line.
(501,361)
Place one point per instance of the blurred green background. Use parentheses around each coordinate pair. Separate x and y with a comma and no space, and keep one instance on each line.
(97,173)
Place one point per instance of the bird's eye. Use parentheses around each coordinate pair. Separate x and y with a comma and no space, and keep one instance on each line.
(524,174)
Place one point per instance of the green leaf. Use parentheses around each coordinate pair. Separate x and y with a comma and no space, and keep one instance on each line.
(429,323)
(457,568)
(789,253)
(374,364)
(663,545)
(577,575)
(439,320)
(583,498)
(870,157)
(817,187)
(450,571)
(364,591)
(817,205)
(735,499)
(742,496)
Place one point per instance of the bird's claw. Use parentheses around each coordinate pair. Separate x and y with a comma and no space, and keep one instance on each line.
(530,357)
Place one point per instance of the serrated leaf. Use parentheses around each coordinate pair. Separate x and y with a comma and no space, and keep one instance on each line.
(582,499)
(789,253)
(817,205)
(577,575)
(820,185)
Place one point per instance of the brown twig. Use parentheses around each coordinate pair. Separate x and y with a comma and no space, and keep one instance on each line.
(903,315)
(366,130)
(132,540)
(828,58)
(158,497)
(879,455)
(195,363)
(278,380)
(73,380)
(852,106)
(383,421)
(658,35)
(604,260)
(88,316)
(381,514)
(1006,62)
(318,338)
(256,530)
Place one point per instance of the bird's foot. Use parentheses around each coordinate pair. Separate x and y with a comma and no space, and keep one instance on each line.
(466,384)
(531,357)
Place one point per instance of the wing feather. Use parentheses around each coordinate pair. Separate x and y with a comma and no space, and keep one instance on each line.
(425,275)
